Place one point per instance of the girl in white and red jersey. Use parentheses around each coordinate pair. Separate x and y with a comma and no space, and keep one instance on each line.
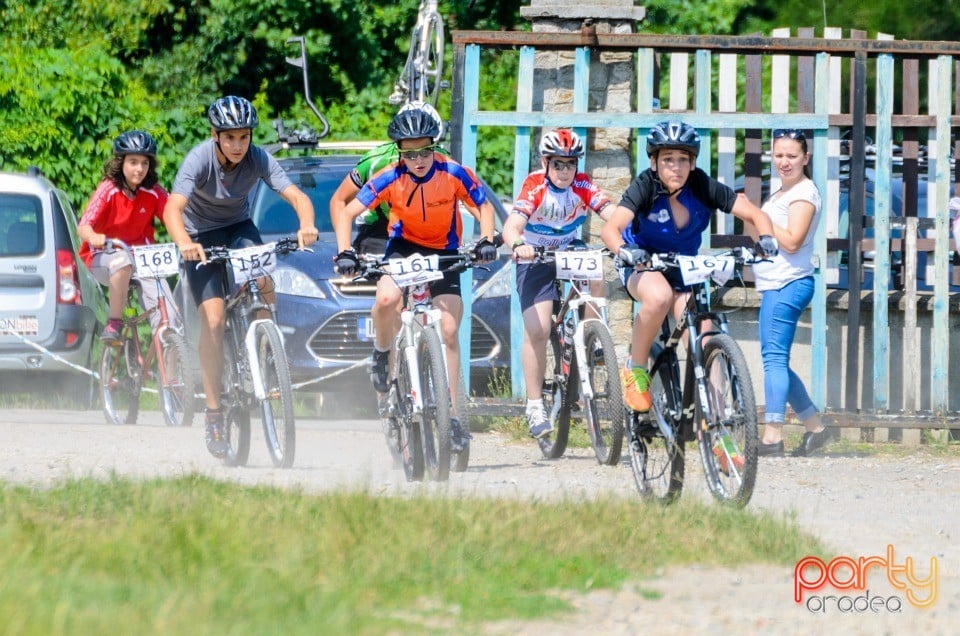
(123,207)
(553,203)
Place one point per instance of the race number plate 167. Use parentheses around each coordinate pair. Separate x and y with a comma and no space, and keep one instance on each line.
(156,261)
(252,262)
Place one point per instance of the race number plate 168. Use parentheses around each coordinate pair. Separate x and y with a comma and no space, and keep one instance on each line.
(156,261)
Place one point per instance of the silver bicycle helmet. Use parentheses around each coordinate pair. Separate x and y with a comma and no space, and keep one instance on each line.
(427,108)
(232,113)
(413,123)
(135,142)
(673,134)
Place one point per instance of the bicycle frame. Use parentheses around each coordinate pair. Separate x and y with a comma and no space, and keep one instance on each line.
(408,338)
(242,305)
(577,298)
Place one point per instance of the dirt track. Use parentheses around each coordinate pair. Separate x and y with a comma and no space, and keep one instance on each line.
(856,505)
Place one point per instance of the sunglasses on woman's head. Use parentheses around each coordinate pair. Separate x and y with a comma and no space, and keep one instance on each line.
(792,133)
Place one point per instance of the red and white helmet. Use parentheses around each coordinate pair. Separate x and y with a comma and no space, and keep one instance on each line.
(562,142)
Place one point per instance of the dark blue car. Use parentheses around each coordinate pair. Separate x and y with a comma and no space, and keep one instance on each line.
(326,319)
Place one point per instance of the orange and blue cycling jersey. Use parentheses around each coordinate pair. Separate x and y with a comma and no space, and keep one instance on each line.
(425,211)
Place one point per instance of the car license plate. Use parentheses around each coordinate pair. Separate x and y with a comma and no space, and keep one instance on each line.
(23,325)
(365,330)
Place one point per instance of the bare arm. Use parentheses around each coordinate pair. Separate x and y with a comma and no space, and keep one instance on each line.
(798,225)
(173,220)
(745,209)
(91,236)
(307,234)
(344,194)
(620,217)
(343,222)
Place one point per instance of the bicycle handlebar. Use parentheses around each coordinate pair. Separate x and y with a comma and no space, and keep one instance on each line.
(221,253)
(662,261)
(375,267)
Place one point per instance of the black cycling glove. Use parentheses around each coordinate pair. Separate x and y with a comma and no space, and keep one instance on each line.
(485,250)
(347,262)
(767,245)
(631,255)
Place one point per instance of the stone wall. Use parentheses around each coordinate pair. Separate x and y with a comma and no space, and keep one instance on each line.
(609,159)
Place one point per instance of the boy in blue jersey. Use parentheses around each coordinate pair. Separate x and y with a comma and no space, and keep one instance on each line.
(666,209)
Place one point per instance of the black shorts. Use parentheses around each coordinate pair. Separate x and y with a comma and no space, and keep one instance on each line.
(209,281)
(371,239)
(449,284)
(536,282)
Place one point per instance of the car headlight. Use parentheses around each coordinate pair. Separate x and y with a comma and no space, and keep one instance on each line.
(499,285)
(295,283)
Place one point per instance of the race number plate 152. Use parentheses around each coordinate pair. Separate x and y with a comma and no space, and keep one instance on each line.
(576,265)
(252,262)
(156,261)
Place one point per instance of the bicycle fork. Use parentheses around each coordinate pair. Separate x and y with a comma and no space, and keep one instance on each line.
(409,352)
(579,345)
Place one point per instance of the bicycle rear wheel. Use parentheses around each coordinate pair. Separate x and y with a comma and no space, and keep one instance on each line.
(558,395)
(276,408)
(411,444)
(435,417)
(727,435)
(120,382)
(604,413)
(236,415)
(177,401)
(658,462)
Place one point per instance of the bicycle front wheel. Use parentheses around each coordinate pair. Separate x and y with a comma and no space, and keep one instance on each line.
(604,413)
(558,396)
(727,434)
(411,444)
(276,408)
(656,445)
(178,381)
(120,382)
(427,60)
(435,417)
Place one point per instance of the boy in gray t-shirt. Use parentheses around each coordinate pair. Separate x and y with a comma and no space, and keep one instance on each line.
(209,206)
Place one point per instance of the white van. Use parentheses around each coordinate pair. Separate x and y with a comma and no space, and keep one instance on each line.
(47,295)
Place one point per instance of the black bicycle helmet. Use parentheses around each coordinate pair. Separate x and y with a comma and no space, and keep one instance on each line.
(135,142)
(673,134)
(232,113)
(413,123)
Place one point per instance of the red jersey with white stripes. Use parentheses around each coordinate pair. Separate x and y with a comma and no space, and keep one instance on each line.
(116,215)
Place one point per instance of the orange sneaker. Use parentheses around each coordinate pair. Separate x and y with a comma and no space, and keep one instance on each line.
(636,389)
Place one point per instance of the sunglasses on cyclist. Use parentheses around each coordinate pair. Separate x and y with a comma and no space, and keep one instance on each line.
(792,133)
(561,166)
(418,153)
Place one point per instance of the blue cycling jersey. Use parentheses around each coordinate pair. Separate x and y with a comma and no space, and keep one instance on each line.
(653,227)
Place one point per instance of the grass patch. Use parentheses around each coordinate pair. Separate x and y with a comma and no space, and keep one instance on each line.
(198,556)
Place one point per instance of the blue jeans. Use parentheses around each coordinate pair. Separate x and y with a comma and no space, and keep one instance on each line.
(779,313)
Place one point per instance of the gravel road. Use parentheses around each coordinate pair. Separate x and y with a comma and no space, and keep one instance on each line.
(858,506)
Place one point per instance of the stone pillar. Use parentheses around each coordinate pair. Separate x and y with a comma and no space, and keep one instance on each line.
(612,89)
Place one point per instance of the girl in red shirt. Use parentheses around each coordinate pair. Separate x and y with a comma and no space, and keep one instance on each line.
(123,207)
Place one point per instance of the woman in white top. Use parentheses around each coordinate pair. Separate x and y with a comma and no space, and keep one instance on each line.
(786,283)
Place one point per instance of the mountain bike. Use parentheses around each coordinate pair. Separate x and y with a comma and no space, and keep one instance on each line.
(255,370)
(418,404)
(123,364)
(582,370)
(422,75)
(715,405)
